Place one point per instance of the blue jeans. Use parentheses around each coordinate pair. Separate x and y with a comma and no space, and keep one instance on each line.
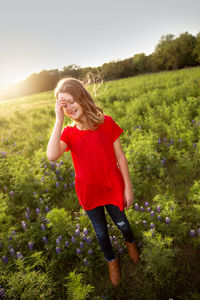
(97,217)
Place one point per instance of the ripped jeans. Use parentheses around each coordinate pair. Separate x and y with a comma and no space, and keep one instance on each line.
(97,217)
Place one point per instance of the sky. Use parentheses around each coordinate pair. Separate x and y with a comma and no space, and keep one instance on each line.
(50,34)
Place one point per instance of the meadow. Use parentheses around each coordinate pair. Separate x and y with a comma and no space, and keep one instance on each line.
(48,248)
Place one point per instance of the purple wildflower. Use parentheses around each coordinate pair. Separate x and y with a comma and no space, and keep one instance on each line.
(5,188)
(43,227)
(146,204)
(77,232)
(148,209)
(45,239)
(30,245)
(78,251)
(152,226)
(73,240)
(159,217)
(57,241)
(11,193)
(37,210)
(192,233)
(85,231)
(81,244)
(24,226)
(19,255)
(47,209)
(152,213)
(141,208)
(2,292)
(57,184)
(120,250)
(89,240)
(144,222)
(5,259)
(13,232)
(28,209)
(65,186)
(58,250)
(136,206)
(77,226)
(159,140)
(27,215)
(90,252)
(86,263)
(66,244)
(167,220)
(10,238)
(158,208)
(12,251)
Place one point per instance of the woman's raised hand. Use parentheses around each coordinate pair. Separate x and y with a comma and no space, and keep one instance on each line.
(60,104)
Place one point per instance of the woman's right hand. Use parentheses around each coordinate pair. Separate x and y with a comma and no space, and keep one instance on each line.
(59,110)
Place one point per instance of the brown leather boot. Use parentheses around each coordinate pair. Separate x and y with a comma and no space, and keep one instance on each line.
(132,252)
(114,271)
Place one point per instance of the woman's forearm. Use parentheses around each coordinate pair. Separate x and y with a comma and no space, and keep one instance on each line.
(123,166)
(53,148)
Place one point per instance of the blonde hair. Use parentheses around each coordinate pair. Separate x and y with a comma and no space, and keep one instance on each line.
(76,89)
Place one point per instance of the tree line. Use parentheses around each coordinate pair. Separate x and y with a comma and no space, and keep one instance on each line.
(171,53)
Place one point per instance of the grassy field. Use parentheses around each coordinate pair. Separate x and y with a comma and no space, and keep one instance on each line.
(42,225)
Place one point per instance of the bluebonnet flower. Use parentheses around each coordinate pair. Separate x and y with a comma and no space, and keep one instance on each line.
(66,244)
(141,208)
(37,210)
(148,209)
(3,153)
(65,186)
(144,222)
(167,220)
(86,263)
(28,209)
(2,292)
(12,251)
(5,259)
(58,250)
(146,204)
(81,245)
(57,241)
(120,250)
(158,208)
(57,171)
(19,255)
(24,226)
(193,121)
(45,239)
(171,141)
(159,140)
(152,213)
(89,240)
(152,225)
(78,251)
(77,232)
(46,208)
(30,245)
(10,238)
(194,145)
(5,188)
(136,206)
(34,193)
(73,240)
(77,226)
(11,193)
(40,199)
(192,233)
(159,217)
(43,227)
(85,231)
(90,252)
(61,177)
(57,184)
(27,215)
(165,140)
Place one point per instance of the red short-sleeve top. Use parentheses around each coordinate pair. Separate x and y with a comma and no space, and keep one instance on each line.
(98,179)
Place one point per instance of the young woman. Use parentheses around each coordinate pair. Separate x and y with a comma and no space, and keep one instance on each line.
(102,178)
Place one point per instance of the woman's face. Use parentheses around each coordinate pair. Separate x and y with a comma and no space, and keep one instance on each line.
(72,109)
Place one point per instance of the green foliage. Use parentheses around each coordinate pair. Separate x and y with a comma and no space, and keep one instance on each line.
(76,290)
(160,115)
